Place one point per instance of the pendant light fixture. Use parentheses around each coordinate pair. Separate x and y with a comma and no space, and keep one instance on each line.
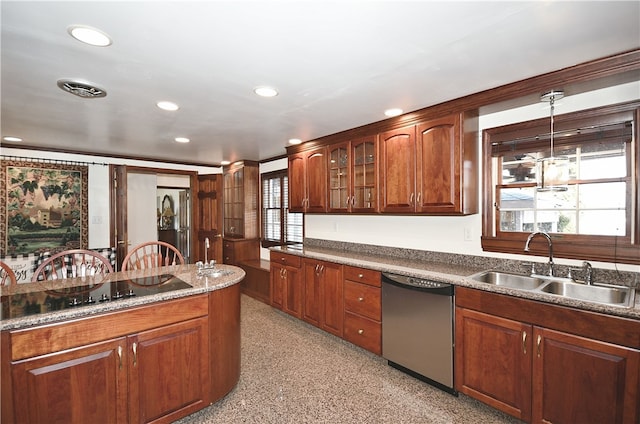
(552,172)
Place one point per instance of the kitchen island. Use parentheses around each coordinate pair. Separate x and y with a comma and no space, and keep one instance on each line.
(165,344)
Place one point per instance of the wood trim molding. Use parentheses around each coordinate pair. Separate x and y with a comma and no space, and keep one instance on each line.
(614,69)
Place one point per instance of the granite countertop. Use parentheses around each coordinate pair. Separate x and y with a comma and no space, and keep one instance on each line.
(229,275)
(456,272)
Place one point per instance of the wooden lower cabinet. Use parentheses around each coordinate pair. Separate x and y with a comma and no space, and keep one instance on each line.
(545,375)
(363,308)
(580,380)
(175,359)
(163,361)
(493,361)
(85,385)
(323,299)
(286,283)
(236,251)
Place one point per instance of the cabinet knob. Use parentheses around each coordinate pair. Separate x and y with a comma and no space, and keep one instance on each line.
(360,276)
(282,259)
(361,331)
(361,299)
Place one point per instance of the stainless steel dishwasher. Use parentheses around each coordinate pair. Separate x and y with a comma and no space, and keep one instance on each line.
(417,328)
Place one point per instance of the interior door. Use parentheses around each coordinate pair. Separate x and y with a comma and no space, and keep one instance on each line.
(208,218)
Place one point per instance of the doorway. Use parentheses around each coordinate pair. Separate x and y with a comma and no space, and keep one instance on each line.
(173,214)
(137,206)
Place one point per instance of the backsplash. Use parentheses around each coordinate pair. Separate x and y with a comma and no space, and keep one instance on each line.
(608,276)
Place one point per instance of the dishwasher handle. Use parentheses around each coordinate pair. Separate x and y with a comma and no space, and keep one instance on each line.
(418,284)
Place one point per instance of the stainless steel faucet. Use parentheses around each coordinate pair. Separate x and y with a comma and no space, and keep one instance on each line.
(548,237)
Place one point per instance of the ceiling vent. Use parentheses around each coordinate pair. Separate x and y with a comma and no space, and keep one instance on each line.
(81,89)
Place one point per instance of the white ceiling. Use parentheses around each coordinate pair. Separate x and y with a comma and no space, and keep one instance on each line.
(337,65)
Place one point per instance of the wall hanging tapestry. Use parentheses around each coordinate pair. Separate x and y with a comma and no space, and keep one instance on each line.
(44,207)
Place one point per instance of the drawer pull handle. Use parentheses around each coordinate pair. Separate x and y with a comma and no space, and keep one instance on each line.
(135,354)
(120,357)
(361,331)
(361,299)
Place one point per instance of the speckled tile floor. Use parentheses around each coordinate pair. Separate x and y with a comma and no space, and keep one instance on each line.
(292,372)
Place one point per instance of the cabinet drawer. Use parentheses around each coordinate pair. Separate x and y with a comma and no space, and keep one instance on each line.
(362,275)
(286,260)
(362,299)
(363,332)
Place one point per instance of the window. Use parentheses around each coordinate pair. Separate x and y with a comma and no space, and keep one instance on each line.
(594,218)
(279,226)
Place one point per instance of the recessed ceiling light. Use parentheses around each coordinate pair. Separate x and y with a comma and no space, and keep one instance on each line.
(9,138)
(265,91)
(89,35)
(295,141)
(165,105)
(182,139)
(225,162)
(393,112)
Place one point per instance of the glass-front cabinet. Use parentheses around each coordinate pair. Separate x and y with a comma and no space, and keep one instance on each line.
(352,176)
(339,190)
(240,182)
(364,175)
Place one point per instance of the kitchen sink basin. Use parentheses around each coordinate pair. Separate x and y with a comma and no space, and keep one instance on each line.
(505,279)
(606,294)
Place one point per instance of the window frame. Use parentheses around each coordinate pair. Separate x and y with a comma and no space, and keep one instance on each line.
(619,249)
(284,211)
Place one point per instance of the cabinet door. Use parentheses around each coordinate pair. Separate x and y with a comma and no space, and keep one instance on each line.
(398,170)
(311,295)
(316,180)
(339,166)
(169,371)
(277,285)
(580,380)
(364,175)
(293,292)
(297,184)
(233,203)
(331,298)
(493,361)
(438,165)
(84,385)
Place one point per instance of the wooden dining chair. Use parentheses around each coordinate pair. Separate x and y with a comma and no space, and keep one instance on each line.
(152,254)
(8,276)
(71,264)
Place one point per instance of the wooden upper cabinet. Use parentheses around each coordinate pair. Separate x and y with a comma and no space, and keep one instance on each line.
(364,175)
(398,170)
(308,181)
(446,166)
(339,166)
(353,176)
(430,168)
(297,186)
(241,189)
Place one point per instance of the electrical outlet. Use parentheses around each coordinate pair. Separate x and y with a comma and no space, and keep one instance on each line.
(467,234)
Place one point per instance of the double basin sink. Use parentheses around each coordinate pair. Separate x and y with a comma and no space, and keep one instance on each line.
(601,293)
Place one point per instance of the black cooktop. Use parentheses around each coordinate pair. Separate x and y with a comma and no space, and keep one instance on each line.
(41,302)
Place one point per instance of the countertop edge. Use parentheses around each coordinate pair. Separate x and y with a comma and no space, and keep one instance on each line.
(455,274)
(201,284)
